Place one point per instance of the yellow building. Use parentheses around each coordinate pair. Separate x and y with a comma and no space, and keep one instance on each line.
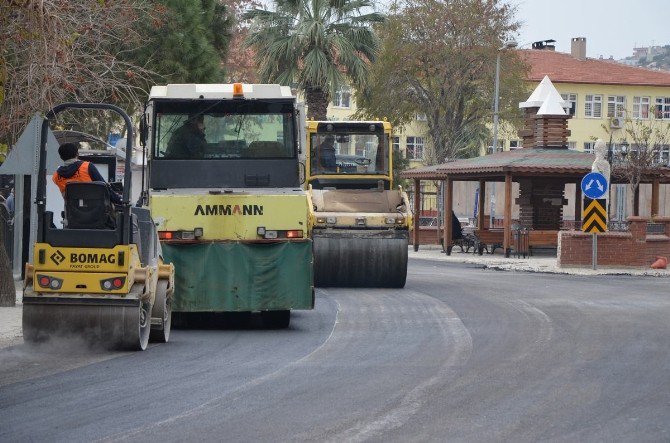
(605,96)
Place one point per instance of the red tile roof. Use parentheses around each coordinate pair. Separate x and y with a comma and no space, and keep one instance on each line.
(564,68)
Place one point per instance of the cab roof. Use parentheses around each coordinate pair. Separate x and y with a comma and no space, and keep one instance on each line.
(220,91)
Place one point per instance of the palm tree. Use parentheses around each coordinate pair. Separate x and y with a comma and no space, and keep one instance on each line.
(317,45)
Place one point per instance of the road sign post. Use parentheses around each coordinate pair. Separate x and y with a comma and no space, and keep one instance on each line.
(594,249)
(594,221)
(594,209)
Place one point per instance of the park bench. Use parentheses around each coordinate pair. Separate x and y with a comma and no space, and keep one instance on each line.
(494,238)
(486,237)
(542,239)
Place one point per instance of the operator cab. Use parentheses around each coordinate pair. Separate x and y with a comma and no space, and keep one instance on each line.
(217,140)
(347,155)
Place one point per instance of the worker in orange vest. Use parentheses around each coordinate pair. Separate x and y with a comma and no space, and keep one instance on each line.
(75,170)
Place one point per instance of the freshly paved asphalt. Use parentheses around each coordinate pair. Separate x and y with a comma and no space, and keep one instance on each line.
(460,354)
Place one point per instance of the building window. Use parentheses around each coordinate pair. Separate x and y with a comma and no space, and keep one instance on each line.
(641,107)
(663,107)
(395,141)
(415,148)
(572,145)
(664,154)
(342,98)
(515,144)
(588,147)
(421,117)
(616,106)
(572,100)
(593,106)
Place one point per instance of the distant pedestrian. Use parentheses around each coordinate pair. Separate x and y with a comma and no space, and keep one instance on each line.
(10,203)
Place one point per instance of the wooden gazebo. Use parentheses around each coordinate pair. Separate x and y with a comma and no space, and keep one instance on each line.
(542,168)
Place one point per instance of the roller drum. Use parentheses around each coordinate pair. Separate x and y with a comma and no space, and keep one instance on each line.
(113,325)
(360,259)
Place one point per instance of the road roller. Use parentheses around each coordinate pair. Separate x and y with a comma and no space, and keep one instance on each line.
(224,189)
(99,276)
(361,223)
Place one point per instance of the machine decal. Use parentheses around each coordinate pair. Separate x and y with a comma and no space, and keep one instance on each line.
(229,210)
(57,257)
(92,258)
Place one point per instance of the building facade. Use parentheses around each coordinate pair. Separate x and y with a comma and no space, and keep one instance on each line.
(605,97)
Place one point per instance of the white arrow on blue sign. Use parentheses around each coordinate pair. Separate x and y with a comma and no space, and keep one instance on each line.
(594,185)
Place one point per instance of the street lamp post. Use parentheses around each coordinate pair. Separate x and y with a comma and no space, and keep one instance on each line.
(496,100)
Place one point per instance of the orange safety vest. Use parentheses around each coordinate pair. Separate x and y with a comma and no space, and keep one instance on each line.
(80,176)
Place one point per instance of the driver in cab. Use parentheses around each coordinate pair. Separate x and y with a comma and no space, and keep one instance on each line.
(188,141)
(74,170)
(326,154)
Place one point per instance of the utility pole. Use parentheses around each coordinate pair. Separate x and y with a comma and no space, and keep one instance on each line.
(496,102)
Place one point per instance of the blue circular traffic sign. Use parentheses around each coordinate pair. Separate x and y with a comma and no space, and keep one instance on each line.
(594,185)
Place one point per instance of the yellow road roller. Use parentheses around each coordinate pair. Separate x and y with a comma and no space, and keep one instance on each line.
(224,188)
(360,221)
(99,276)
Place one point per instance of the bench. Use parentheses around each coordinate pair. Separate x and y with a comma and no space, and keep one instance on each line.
(542,239)
(465,242)
(485,237)
(537,239)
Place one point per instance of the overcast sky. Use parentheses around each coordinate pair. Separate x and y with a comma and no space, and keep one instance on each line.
(611,27)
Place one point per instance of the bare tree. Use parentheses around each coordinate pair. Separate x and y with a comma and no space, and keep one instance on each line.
(641,157)
(53,51)
(438,61)
(239,63)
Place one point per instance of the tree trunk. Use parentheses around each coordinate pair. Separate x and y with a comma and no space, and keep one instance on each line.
(317,103)
(7,288)
(636,201)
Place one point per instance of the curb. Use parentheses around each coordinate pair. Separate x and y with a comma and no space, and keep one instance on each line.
(540,264)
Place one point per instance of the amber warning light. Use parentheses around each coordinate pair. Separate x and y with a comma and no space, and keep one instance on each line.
(237,90)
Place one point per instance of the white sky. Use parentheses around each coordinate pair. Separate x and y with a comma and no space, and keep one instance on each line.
(611,27)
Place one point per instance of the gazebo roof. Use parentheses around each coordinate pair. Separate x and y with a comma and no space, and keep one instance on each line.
(534,162)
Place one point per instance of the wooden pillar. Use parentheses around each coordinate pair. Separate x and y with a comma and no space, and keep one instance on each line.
(507,243)
(654,197)
(448,207)
(417,212)
(578,205)
(480,203)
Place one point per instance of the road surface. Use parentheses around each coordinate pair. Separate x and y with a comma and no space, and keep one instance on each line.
(460,354)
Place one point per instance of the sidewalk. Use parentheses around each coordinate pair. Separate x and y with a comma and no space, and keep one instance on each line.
(10,321)
(536,263)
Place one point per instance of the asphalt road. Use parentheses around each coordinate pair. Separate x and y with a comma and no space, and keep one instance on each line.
(461,354)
